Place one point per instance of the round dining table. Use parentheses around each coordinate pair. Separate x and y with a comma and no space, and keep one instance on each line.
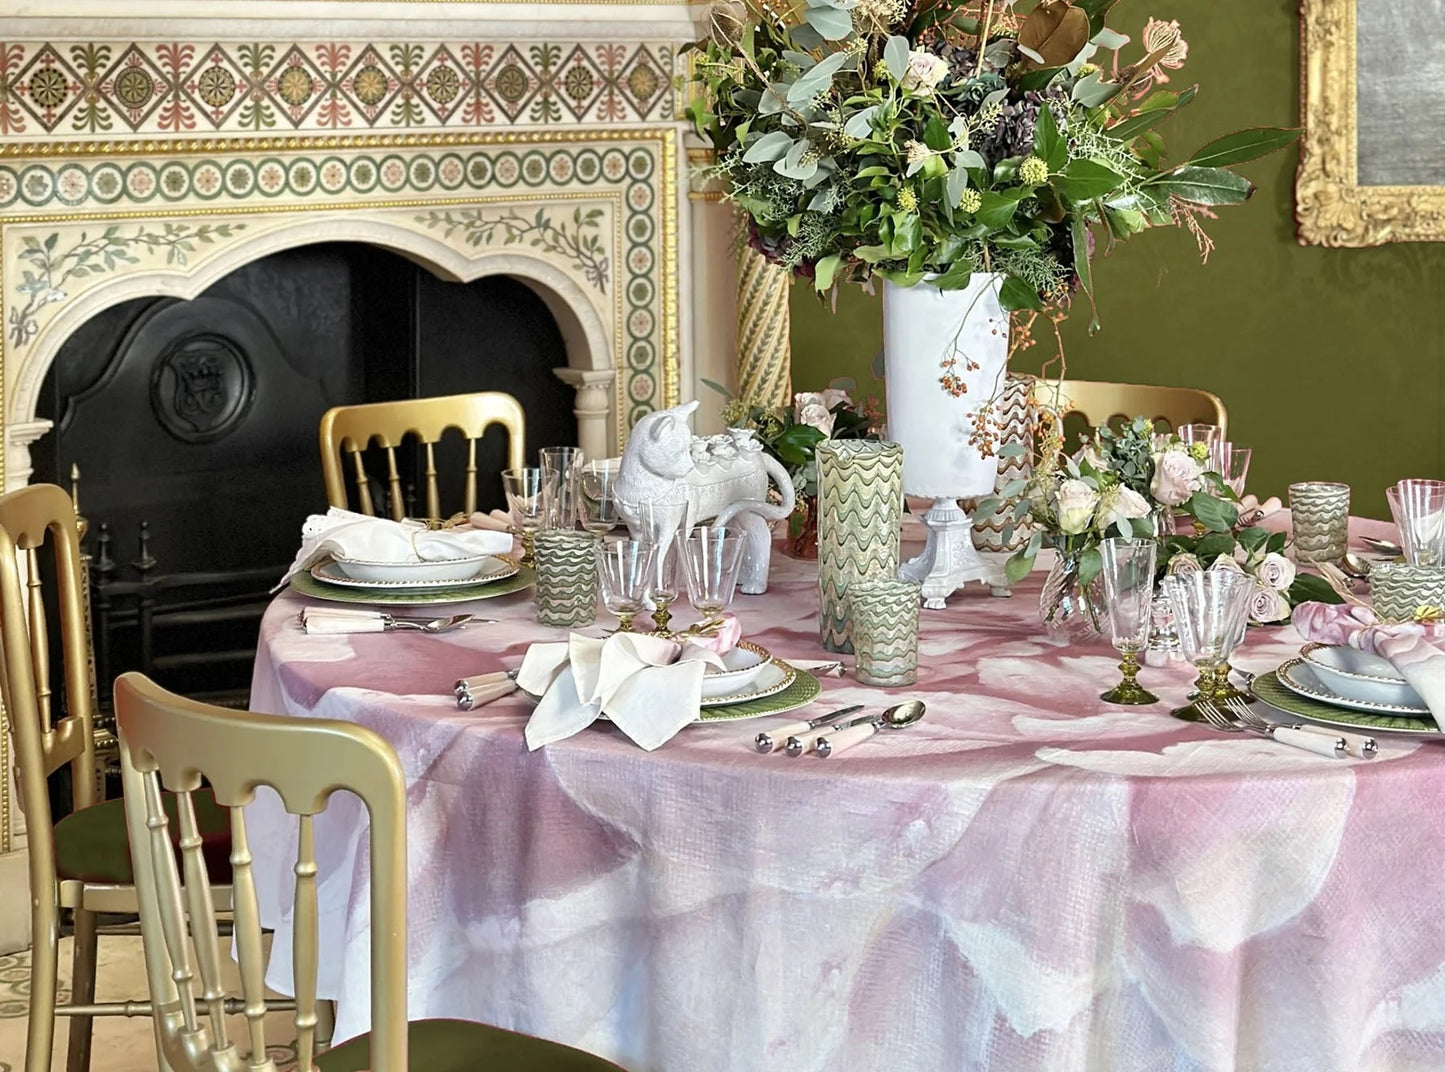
(1028,878)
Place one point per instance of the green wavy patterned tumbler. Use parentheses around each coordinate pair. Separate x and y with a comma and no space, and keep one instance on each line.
(860,509)
(883,616)
(566,578)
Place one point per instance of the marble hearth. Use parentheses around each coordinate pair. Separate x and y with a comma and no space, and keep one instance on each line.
(151,148)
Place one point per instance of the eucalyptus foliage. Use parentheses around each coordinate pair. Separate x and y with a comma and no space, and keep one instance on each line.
(929,139)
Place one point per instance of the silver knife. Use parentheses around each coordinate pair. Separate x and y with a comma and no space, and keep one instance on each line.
(802,742)
(767,742)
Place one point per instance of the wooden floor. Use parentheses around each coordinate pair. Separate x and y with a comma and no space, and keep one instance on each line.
(121,1045)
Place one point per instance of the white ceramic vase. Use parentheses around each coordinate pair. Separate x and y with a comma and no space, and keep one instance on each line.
(925,328)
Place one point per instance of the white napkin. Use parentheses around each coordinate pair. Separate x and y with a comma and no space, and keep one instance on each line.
(649,686)
(345,534)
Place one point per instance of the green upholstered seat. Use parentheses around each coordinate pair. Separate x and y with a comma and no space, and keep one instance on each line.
(90,844)
(460,1046)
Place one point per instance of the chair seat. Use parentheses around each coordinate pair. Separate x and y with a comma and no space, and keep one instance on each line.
(461,1046)
(91,846)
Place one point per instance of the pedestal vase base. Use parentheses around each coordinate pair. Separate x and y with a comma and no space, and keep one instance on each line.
(949,560)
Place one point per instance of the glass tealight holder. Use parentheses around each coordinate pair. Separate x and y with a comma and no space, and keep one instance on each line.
(1128,573)
(1319,520)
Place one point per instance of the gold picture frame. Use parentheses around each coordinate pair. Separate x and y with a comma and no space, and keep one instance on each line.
(1332,206)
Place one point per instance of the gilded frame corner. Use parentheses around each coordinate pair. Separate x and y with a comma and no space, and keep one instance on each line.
(1331,207)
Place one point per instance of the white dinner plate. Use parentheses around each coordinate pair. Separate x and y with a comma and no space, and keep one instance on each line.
(1359,675)
(1299,677)
(772,677)
(446,570)
(485,570)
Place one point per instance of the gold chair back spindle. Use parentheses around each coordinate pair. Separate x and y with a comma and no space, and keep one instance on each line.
(349,430)
(169,742)
(1099,402)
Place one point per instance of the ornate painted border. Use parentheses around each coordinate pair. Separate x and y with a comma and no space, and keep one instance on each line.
(119,87)
(1331,207)
(168,201)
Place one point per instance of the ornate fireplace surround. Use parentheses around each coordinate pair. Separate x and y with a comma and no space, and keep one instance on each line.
(151,152)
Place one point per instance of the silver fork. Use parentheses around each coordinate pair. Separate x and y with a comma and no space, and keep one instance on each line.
(1310,742)
(1357,745)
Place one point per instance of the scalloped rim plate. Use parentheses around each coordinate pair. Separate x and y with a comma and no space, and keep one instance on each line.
(1299,677)
(308,585)
(1272,691)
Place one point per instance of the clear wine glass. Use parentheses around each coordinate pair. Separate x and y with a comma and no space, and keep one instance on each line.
(659,524)
(624,573)
(1231,462)
(1418,508)
(563,465)
(711,558)
(1128,574)
(1210,608)
(529,496)
(596,498)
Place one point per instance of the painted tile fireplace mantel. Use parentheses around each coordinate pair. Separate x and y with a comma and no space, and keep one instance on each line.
(150,148)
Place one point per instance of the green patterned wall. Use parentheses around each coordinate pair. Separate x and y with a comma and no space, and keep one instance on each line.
(1331,361)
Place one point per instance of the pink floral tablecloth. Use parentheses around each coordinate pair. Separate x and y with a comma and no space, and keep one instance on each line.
(1028,879)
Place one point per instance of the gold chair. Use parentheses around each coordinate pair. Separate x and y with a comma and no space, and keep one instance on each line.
(1099,402)
(80,862)
(350,429)
(167,741)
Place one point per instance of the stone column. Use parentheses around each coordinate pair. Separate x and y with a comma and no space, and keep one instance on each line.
(596,435)
(765,373)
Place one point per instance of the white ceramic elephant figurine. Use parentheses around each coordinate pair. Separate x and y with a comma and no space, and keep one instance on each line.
(723,477)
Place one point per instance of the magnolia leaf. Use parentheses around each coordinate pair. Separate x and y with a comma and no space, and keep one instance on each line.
(1053,33)
(895,55)
(824,271)
(773,145)
(1038,79)
(1213,513)
(1125,129)
(860,123)
(1107,38)
(1204,186)
(1016,294)
(1243,145)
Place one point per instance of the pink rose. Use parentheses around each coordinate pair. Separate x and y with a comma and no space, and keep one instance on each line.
(1268,605)
(1276,571)
(722,640)
(1177,476)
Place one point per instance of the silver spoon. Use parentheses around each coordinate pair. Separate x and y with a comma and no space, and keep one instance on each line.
(896,717)
(1356,566)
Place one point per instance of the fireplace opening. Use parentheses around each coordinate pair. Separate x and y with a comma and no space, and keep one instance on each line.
(193,425)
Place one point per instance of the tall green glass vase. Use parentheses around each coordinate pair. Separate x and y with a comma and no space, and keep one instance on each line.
(860,510)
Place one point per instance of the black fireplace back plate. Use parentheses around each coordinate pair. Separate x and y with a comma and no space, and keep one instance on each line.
(200,417)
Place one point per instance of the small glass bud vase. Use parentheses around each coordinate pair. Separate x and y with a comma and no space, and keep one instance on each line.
(1070,613)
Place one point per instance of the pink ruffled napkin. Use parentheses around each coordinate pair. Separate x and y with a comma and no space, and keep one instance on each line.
(1416,649)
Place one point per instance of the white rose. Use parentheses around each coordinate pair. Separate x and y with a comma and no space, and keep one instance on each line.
(1226,562)
(1268,605)
(1176,478)
(1184,563)
(817,415)
(1076,506)
(1276,571)
(832,396)
(1121,502)
(925,70)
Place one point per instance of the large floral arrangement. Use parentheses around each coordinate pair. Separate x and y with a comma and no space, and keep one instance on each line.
(912,139)
(1134,482)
